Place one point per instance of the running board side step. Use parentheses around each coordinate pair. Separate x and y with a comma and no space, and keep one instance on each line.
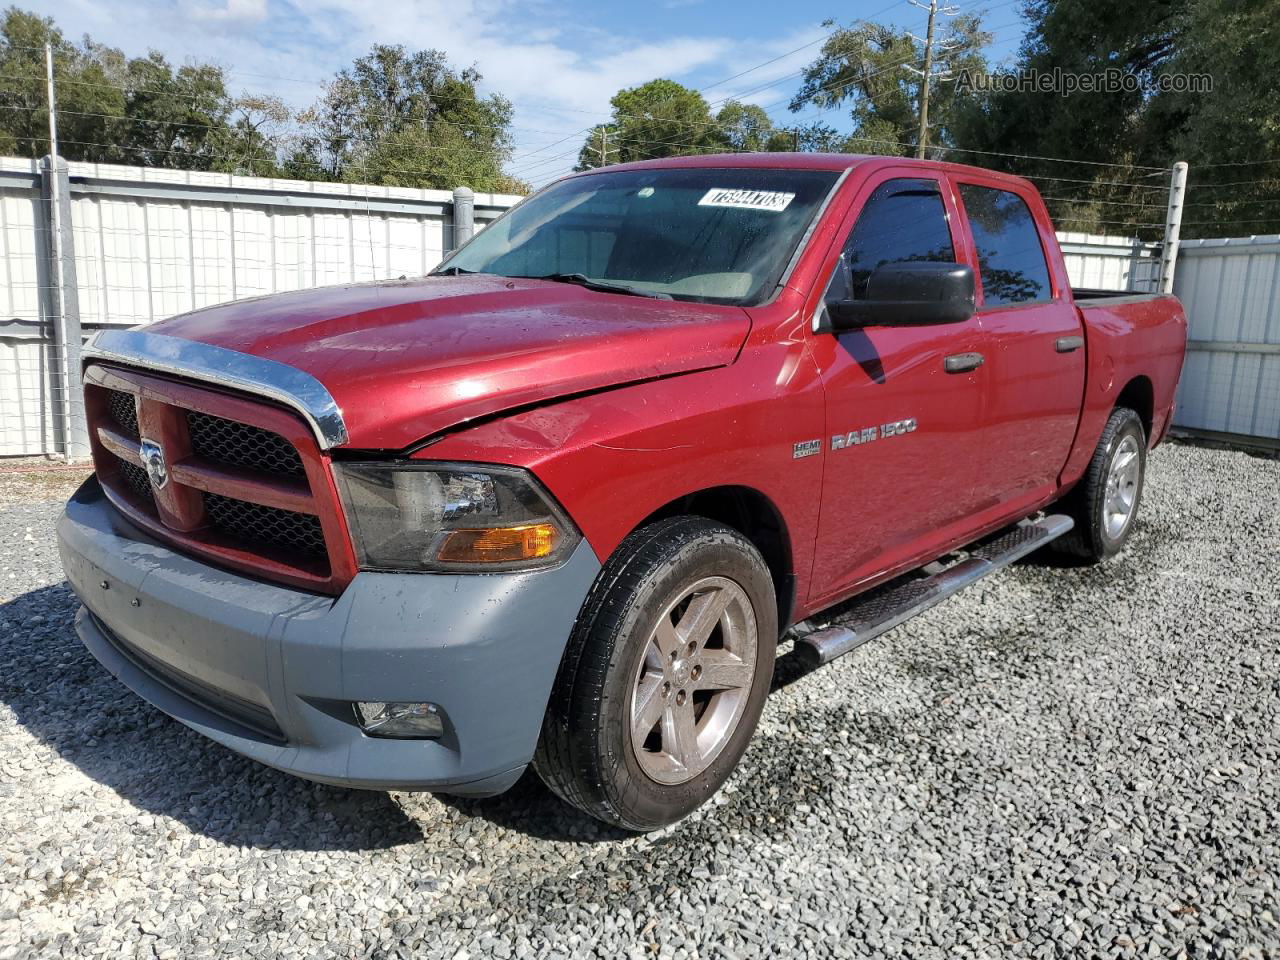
(883,608)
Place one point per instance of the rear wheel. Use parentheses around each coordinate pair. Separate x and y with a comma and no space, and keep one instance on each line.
(665,676)
(1104,504)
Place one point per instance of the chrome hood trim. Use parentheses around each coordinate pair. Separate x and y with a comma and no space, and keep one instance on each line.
(228,368)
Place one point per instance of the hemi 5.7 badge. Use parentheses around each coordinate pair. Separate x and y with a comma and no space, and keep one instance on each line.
(806,448)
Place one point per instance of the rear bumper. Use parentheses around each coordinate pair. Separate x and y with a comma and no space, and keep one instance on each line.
(271,672)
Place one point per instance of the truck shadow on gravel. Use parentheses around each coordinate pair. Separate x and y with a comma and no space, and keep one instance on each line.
(63,697)
(777,772)
(533,810)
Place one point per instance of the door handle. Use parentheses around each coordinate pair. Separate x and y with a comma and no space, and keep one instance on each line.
(962,362)
(1068,344)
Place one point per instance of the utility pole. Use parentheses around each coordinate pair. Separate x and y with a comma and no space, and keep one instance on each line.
(604,145)
(922,139)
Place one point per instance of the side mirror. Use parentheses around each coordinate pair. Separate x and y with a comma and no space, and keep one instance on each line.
(909,293)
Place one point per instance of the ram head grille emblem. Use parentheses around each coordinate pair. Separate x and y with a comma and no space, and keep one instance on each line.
(152,455)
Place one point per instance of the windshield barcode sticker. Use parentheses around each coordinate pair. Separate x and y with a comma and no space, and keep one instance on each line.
(770,200)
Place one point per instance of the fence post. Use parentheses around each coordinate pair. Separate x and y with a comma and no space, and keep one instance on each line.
(464,216)
(1172,226)
(63,310)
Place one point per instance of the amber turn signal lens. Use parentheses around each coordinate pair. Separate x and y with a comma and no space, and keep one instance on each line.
(499,544)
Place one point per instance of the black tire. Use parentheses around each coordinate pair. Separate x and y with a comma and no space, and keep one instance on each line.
(585,752)
(1090,539)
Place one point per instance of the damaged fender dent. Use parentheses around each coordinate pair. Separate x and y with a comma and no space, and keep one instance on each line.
(550,403)
(625,449)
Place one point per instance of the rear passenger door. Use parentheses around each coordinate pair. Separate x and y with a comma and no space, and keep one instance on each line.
(1032,343)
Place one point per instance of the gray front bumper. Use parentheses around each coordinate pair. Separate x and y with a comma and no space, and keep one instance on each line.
(271,671)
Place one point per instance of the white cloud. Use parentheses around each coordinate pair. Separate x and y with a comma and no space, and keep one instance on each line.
(559,73)
(233,11)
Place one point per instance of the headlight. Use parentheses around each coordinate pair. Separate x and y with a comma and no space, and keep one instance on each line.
(451,516)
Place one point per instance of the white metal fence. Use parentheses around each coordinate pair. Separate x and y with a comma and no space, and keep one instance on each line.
(1111,263)
(1231,381)
(149,243)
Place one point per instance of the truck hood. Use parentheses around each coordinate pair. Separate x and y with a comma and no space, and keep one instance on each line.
(407,359)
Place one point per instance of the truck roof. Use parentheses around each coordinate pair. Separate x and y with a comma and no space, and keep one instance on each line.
(838,162)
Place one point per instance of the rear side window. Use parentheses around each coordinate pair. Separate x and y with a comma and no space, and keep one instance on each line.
(1010,259)
(902,220)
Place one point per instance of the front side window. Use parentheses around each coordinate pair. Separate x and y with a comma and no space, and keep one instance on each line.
(1010,258)
(717,235)
(903,219)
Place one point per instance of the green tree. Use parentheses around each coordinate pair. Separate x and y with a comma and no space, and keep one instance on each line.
(660,118)
(1230,134)
(91,96)
(116,110)
(864,65)
(406,119)
(251,141)
(744,127)
(1112,127)
(172,118)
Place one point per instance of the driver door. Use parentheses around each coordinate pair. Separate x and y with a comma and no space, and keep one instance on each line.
(904,427)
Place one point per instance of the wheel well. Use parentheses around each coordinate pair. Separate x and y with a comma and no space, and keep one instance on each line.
(1139,396)
(754,516)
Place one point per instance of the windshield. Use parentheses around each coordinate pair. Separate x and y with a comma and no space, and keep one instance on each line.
(713,235)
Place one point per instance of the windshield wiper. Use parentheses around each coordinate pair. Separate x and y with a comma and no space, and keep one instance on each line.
(582,280)
(451,272)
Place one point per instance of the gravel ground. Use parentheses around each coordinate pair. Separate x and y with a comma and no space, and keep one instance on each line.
(1056,761)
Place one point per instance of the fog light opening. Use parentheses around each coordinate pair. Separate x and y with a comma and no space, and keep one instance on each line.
(400,720)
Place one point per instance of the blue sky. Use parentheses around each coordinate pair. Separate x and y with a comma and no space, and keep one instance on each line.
(559,62)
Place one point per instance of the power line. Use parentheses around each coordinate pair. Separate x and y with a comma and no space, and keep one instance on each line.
(992,31)
(1235,163)
(1121,203)
(541,164)
(1220,223)
(538,165)
(1274,182)
(879,13)
(231,127)
(759,66)
(671,142)
(1237,202)
(255,158)
(1107,183)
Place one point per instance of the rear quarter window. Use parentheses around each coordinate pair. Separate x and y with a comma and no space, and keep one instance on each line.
(1011,262)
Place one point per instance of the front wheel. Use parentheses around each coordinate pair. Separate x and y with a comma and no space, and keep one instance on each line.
(1104,504)
(664,677)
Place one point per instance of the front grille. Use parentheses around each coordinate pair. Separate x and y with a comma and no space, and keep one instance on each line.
(123,411)
(137,480)
(247,484)
(266,525)
(241,445)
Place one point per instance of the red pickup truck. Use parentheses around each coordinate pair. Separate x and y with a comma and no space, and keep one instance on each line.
(556,502)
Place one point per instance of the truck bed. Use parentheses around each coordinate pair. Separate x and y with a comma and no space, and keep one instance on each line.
(1084,295)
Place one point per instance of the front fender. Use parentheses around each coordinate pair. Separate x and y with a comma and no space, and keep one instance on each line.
(613,459)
